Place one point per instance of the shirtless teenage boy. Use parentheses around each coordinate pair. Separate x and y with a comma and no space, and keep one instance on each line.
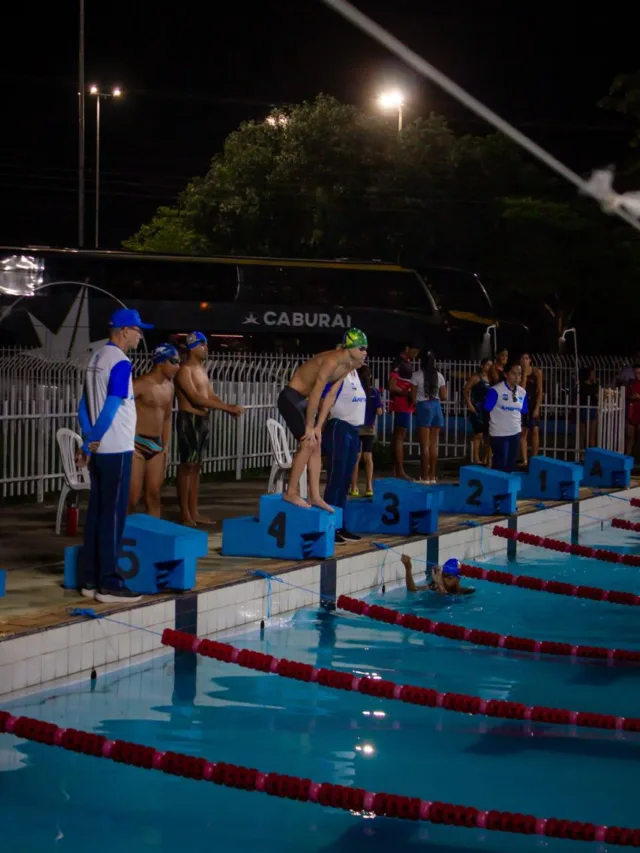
(299,402)
(153,393)
(195,399)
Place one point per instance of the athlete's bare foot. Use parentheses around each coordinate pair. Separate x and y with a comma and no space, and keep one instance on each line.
(404,476)
(296,500)
(203,519)
(322,505)
(188,522)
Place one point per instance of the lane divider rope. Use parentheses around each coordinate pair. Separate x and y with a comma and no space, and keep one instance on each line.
(384,689)
(305,790)
(567,547)
(483,638)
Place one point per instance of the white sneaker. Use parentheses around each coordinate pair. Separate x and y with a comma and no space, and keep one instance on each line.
(88,593)
(121,596)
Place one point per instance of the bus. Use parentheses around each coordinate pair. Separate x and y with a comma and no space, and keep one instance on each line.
(59,300)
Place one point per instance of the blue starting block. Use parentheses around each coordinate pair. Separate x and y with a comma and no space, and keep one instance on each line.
(482,492)
(155,556)
(3,581)
(551,480)
(606,469)
(282,531)
(397,508)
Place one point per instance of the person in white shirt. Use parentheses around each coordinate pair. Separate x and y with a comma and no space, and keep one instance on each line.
(506,403)
(341,444)
(430,392)
(107,418)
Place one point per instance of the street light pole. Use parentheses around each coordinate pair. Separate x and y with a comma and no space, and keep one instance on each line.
(81,125)
(97,222)
(116,92)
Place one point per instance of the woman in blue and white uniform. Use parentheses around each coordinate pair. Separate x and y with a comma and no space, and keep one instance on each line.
(341,444)
(506,403)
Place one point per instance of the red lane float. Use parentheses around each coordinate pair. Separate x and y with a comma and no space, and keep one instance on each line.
(635,501)
(382,689)
(593,593)
(482,638)
(567,547)
(307,791)
(624,524)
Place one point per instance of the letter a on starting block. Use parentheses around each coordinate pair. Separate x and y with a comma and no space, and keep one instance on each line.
(606,469)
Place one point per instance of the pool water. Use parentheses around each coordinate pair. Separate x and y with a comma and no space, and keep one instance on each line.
(54,800)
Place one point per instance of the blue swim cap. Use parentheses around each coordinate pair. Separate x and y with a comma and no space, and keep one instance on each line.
(452,567)
(163,352)
(196,338)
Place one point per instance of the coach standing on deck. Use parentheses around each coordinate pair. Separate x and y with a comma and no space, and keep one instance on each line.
(341,444)
(107,418)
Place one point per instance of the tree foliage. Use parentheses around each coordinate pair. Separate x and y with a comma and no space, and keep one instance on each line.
(325,179)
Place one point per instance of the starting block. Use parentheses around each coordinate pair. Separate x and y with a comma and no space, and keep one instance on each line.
(282,531)
(482,491)
(552,480)
(155,556)
(3,581)
(397,508)
(606,469)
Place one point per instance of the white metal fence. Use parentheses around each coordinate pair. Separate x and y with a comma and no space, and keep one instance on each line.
(38,396)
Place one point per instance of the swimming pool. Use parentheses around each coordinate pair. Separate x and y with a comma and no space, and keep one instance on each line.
(53,799)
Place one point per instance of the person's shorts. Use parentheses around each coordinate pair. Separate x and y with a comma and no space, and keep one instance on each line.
(588,413)
(479,423)
(528,421)
(402,420)
(193,433)
(366,443)
(429,414)
(292,405)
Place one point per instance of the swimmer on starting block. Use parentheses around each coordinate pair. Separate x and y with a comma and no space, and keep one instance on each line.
(444,579)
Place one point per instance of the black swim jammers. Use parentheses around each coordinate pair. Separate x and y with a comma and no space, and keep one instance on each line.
(292,405)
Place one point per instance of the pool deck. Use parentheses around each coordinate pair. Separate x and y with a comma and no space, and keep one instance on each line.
(32,554)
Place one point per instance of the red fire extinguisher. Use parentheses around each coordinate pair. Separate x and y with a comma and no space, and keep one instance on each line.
(72,520)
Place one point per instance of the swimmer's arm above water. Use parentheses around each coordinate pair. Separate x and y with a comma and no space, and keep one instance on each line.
(411,584)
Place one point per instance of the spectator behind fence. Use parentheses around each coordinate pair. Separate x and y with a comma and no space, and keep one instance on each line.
(589,391)
(401,404)
(475,393)
(500,360)
(627,374)
(367,434)
(633,411)
(506,403)
(531,381)
(107,418)
(431,391)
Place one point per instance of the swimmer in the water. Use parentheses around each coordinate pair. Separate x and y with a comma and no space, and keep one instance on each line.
(444,579)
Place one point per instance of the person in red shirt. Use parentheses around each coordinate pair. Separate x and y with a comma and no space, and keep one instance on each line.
(633,411)
(402,404)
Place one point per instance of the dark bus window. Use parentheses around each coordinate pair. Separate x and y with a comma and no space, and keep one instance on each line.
(348,288)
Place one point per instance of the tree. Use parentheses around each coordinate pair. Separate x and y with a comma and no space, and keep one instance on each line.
(325,179)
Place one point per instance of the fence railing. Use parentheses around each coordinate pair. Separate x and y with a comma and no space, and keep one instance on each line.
(38,396)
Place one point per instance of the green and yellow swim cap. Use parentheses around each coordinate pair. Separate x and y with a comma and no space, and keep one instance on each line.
(354,338)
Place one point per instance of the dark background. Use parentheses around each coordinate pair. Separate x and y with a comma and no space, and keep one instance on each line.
(192,72)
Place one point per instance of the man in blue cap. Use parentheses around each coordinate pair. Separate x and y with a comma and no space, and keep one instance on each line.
(445,579)
(154,393)
(195,400)
(107,418)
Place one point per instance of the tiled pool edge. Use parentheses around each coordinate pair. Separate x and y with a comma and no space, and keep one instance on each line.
(35,660)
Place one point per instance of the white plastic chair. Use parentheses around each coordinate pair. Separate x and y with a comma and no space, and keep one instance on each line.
(283,460)
(75,479)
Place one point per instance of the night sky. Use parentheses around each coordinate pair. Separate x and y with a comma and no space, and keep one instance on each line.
(190,76)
